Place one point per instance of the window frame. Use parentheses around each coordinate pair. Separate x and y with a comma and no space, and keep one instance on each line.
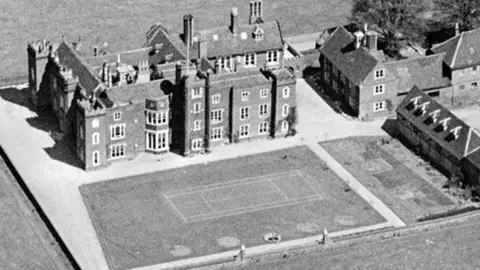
(241,131)
(216,116)
(157,144)
(156,118)
(195,105)
(265,90)
(244,113)
(382,72)
(197,144)
(216,98)
(214,138)
(113,135)
(194,93)
(117,116)
(95,123)
(267,127)
(250,60)
(287,91)
(272,57)
(121,146)
(381,86)
(97,162)
(95,138)
(197,125)
(379,108)
(263,113)
(285,126)
(245,95)
(285,113)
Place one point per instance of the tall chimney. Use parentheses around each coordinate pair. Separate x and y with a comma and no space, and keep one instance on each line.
(234,20)
(371,41)
(358,39)
(202,48)
(457,29)
(188,29)
(217,67)
(104,72)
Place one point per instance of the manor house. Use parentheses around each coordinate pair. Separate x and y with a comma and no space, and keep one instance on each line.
(187,93)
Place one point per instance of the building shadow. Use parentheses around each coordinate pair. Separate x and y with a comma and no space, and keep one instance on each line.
(18,96)
(44,121)
(62,151)
(390,127)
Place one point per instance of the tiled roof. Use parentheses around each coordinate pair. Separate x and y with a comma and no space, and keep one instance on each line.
(221,41)
(354,63)
(456,146)
(135,92)
(424,72)
(462,50)
(240,80)
(86,76)
(130,57)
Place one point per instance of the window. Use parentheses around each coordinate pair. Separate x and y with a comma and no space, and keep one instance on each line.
(244,113)
(117,116)
(197,107)
(157,140)
(379,89)
(81,131)
(95,138)
(263,110)
(216,99)
(96,158)
(197,144)
(117,131)
(157,118)
(272,57)
(379,73)
(197,124)
(285,126)
(461,87)
(225,62)
(197,92)
(245,96)
(216,116)
(95,123)
(244,131)
(217,134)
(263,93)
(379,106)
(285,110)
(117,150)
(286,92)
(262,127)
(473,85)
(250,60)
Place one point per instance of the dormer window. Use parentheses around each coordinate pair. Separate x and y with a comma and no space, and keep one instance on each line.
(413,103)
(442,125)
(422,108)
(258,33)
(432,117)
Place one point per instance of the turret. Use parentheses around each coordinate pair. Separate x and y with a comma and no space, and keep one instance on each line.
(38,52)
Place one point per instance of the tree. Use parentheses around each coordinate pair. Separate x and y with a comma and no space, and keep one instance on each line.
(464,12)
(397,21)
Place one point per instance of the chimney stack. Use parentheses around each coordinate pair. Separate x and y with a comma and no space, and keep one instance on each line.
(234,20)
(358,39)
(217,67)
(104,72)
(256,11)
(457,29)
(188,29)
(371,41)
(202,48)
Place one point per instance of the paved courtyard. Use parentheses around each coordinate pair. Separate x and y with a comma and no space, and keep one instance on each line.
(204,209)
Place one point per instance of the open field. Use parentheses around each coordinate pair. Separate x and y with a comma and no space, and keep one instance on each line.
(403,188)
(25,242)
(209,208)
(454,248)
(123,23)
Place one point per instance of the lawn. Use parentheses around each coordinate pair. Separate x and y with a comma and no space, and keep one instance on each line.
(123,23)
(25,241)
(209,208)
(410,191)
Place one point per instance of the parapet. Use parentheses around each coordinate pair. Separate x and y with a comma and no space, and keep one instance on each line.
(90,106)
(40,47)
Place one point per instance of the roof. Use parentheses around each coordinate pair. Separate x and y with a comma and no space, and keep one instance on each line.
(424,72)
(458,147)
(70,58)
(462,50)
(240,80)
(221,41)
(354,63)
(136,92)
(129,57)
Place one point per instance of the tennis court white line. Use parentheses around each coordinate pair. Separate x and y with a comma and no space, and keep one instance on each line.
(230,183)
(208,204)
(278,189)
(204,217)
(178,211)
(308,183)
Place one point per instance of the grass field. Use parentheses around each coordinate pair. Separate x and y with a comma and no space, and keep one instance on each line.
(123,23)
(402,188)
(209,208)
(25,241)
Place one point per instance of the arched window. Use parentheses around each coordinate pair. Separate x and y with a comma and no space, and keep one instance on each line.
(285,126)
(286,92)
(96,158)
(95,138)
(285,110)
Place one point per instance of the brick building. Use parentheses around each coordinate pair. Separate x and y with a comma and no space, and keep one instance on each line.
(440,136)
(187,95)
(353,70)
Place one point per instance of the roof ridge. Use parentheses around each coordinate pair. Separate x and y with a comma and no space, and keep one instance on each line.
(444,42)
(456,49)
(468,141)
(415,58)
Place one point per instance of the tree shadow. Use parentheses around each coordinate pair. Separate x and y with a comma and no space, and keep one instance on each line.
(18,96)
